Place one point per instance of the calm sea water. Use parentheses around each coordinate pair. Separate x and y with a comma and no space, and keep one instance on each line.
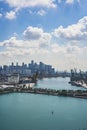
(57,83)
(24,111)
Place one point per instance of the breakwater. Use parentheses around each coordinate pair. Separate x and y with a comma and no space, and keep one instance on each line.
(66,93)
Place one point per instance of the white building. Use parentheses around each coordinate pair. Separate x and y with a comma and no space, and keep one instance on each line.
(14,78)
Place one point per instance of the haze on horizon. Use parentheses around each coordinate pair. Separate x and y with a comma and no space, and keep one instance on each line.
(51,31)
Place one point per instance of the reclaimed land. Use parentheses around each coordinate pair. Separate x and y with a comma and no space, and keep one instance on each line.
(66,93)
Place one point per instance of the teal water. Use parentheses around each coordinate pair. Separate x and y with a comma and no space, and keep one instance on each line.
(24,111)
(57,83)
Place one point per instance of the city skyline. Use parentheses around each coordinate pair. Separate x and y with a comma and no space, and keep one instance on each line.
(51,31)
(28,69)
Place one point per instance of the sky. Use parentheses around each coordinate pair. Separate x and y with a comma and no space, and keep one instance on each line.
(51,31)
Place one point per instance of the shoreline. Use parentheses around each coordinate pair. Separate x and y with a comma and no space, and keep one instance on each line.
(52,92)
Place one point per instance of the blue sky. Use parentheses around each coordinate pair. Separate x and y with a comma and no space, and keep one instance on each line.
(51,31)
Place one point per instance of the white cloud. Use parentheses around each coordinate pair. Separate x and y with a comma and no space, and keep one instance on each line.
(11,15)
(21,50)
(59,1)
(39,45)
(72,49)
(15,34)
(65,49)
(73,32)
(30,3)
(59,56)
(31,12)
(12,42)
(69,1)
(41,12)
(35,33)
(36,39)
(68,56)
(0,15)
(32,33)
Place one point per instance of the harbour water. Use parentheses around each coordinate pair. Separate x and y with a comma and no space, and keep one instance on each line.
(57,83)
(24,111)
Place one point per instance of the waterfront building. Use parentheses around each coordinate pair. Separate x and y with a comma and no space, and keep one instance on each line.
(14,78)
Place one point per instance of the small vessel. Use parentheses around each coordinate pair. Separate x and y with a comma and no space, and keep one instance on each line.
(52,112)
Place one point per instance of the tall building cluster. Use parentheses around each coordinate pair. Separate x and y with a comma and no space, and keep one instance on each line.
(28,69)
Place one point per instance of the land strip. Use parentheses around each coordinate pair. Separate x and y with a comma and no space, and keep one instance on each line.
(66,93)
